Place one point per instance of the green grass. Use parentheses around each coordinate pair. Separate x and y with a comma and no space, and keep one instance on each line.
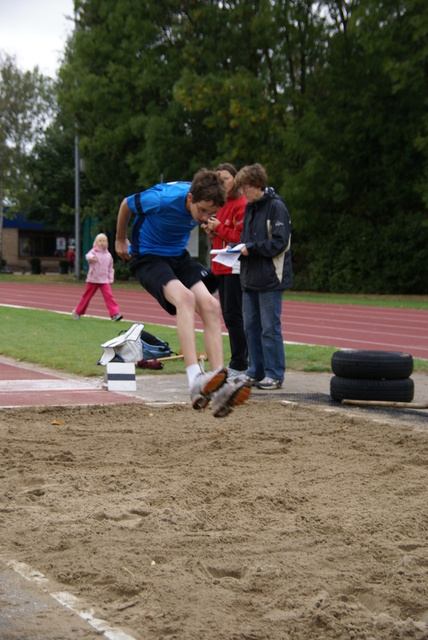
(57,341)
(362,299)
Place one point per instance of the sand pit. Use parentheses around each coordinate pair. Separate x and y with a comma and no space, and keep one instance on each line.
(278,522)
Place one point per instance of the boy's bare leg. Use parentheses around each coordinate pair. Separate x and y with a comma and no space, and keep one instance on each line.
(226,395)
(188,302)
(184,301)
(202,386)
(208,308)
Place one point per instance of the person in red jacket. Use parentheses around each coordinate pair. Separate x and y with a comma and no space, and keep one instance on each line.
(70,256)
(225,229)
(100,276)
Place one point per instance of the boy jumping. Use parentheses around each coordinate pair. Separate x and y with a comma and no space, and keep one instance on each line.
(164,217)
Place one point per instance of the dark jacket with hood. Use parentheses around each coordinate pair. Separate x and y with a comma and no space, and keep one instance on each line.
(267,235)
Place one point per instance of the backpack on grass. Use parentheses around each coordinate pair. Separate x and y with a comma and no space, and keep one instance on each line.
(154,347)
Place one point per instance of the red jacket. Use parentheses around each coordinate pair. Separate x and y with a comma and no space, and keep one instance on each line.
(229,230)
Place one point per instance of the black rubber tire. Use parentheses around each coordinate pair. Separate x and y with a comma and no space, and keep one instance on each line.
(357,389)
(372,365)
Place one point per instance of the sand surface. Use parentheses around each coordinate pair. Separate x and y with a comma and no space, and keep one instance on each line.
(278,522)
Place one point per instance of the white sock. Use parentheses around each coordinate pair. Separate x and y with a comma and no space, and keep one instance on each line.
(192,371)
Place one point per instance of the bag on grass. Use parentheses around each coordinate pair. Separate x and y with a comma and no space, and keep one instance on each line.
(127,347)
(154,347)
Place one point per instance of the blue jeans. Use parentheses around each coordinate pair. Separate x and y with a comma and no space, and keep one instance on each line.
(262,325)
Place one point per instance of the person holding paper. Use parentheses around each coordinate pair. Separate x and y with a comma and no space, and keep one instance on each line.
(224,230)
(266,270)
(164,217)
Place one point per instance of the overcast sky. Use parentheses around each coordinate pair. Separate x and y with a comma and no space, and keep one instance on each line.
(35,32)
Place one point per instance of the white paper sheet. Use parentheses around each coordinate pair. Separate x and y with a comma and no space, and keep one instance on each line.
(228,257)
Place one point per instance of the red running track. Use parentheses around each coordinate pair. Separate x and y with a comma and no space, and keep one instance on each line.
(335,325)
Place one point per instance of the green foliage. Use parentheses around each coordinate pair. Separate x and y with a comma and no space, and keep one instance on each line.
(51,166)
(357,189)
(122,272)
(26,103)
(329,96)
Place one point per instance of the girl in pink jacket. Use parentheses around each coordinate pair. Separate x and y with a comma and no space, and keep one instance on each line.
(100,276)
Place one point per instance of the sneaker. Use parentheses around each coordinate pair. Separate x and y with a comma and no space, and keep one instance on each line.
(76,315)
(233,373)
(247,380)
(116,317)
(231,395)
(269,383)
(205,385)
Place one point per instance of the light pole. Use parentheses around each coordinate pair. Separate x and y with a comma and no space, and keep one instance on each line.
(76,187)
(77,201)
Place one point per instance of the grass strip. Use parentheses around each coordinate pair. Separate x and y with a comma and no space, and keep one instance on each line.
(57,341)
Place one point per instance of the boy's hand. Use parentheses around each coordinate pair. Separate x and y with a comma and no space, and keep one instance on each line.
(213,223)
(121,247)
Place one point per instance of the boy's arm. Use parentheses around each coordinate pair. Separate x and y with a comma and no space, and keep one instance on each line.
(122,242)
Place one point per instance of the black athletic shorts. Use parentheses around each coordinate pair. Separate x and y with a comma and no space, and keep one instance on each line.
(154,272)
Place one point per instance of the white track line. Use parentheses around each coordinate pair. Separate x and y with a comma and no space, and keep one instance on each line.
(10,386)
(69,601)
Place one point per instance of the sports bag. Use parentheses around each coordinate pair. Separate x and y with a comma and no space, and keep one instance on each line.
(127,347)
(154,347)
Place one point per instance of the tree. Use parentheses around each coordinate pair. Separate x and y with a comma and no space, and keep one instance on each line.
(26,106)
(356,185)
(117,86)
(330,96)
(51,167)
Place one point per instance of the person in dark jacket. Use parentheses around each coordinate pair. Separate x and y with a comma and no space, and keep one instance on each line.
(266,270)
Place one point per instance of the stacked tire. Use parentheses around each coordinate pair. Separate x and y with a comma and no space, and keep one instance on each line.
(372,375)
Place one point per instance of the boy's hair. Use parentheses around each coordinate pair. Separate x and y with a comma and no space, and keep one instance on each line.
(228,166)
(99,237)
(252,175)
(209,187)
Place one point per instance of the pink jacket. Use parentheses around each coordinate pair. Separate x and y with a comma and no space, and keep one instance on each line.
(100,272)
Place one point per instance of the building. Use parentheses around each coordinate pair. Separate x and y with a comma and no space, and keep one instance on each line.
(23,239)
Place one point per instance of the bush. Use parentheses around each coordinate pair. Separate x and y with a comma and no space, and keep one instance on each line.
(63,266)
(122,272)
(36,265)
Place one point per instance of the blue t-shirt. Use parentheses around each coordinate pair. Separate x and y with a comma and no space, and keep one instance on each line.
(162,225)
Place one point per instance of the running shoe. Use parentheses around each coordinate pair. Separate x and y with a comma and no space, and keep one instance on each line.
(116,317)
(233,393)
(205,385)
(76,315)
(248,380)
(269,383)
(233,373)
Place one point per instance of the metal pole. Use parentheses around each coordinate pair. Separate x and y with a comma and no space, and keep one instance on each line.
(76,188)
(77,202)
